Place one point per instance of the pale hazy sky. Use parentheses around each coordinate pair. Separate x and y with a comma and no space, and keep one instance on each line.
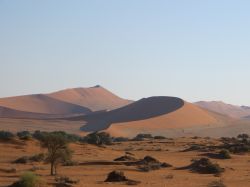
(196,50)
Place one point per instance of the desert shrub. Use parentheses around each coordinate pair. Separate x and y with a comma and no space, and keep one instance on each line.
(149,163)
(146,136)
(39,135)
(224,154)
(24,135)
(98,138)
(70,163)
(204,165)
(216,184)
(239,148)
(37,157)
(65,181)
(5,135)
(149,167)
(193,148)
(28,179)
(159,137)
(120,139)
(125,158)
(22,160)
(243,136)
(68,137)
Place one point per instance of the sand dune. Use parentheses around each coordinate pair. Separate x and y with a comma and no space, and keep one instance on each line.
(150,115)
(185,117)
(227,109)
(95,98)
(41,104)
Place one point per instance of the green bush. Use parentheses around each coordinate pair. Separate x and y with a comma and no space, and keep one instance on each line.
(28,179)
(5,135)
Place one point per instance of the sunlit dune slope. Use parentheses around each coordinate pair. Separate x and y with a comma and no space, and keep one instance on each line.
(95,98)
(41,104)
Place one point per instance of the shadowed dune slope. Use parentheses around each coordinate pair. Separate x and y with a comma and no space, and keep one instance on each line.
(227,109)
(42,104)
(143,109)
(95,98)
(187,116)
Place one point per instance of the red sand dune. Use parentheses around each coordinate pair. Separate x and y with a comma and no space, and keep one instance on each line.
(149,115)
(41,104)
(17,114)
(95,98)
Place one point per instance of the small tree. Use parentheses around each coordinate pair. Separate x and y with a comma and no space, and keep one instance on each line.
(58,151)
(98,138)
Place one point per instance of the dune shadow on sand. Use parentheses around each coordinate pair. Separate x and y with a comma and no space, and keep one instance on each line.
(143,109)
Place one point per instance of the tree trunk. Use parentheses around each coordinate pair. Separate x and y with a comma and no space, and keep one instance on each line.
(55,169)
(51,168)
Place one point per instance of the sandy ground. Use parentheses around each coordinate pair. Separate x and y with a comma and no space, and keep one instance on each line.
(92,171)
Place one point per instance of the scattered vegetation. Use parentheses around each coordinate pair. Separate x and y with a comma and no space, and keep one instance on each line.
(24,135)
(65,181)
(205,166)
(5,135)
(26,159)
(160,137)
(149,163)
(216,184)
(141,137)
(224,154)
(28,179)
(241,144)
(120,139)
(98,138)
(126,158)
(118,176)
(40,135)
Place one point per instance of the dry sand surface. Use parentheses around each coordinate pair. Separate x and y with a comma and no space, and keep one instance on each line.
(96,162)
(17,125)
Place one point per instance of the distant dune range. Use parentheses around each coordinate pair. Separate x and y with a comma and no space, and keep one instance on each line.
(58,104)
(85,110)
(227,109)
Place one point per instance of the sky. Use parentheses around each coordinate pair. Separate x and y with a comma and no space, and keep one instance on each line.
(196,50)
